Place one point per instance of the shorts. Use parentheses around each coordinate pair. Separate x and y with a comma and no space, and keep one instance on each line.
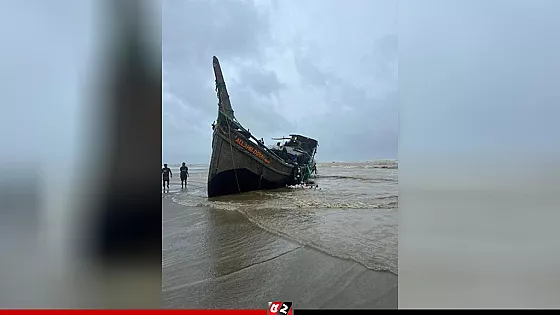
(183,178)
(166,179)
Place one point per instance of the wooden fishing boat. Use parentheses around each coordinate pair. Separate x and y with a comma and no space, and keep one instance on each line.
(241,163)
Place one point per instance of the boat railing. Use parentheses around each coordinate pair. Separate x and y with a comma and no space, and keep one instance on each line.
(238,125)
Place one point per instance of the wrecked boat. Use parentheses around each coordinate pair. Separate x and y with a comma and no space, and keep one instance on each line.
(241,163)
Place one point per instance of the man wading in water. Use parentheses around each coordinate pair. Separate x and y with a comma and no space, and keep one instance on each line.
(166,174)
(184,174)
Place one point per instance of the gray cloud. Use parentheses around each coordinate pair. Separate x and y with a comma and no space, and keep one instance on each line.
(323,68)
(263,82)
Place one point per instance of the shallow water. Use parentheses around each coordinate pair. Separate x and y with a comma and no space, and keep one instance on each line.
(352,214)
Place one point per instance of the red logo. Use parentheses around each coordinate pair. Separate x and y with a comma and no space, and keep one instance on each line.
(279,308)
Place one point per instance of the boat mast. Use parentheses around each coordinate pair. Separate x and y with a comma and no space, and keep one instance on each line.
(224,104)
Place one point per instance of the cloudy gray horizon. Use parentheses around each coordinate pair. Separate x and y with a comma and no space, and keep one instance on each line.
(325,69)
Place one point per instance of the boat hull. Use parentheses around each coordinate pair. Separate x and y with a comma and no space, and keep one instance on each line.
(238,165)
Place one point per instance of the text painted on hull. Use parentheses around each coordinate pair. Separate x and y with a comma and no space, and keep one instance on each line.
(251,149)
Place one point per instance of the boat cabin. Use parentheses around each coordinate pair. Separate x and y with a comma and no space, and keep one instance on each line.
(297,149)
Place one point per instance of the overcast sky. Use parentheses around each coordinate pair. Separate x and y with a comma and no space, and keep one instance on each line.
(323,68)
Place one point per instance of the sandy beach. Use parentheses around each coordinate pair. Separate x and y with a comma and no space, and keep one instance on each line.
(215,258)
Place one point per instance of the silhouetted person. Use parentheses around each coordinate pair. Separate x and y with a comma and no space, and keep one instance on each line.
(166,174)
(184,174)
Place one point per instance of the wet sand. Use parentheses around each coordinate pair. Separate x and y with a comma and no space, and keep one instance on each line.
(218,259)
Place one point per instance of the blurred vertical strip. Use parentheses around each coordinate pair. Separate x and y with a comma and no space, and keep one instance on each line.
(80,122)
(478,150)
(126,221)
(130,200)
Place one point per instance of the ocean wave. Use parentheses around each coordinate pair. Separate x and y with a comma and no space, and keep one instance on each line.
(375,180)
(295,204)
(391,164)
(251,212)
(340,205)
(350,215)
(289,235)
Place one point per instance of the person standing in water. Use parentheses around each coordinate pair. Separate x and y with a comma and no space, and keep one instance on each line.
(184,174)
(166,174)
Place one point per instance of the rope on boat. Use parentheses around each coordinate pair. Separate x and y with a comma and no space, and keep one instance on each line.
(219,92)
(237,124)
(232,158)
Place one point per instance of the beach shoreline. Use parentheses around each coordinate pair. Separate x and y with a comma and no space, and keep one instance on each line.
(218,259)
